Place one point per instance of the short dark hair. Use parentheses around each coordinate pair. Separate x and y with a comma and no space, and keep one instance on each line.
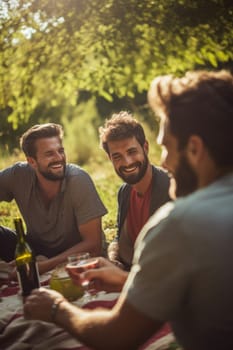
(200,103)
(39,131)
(119,127)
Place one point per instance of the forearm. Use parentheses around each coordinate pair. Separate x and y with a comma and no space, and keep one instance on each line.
(106,329)
(87,326)
(98,329)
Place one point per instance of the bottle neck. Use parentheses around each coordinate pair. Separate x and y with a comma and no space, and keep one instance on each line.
(19,230)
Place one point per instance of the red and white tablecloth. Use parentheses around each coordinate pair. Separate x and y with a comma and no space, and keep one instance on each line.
(16,333)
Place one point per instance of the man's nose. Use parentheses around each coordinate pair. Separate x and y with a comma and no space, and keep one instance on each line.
(59,155)
(127,160)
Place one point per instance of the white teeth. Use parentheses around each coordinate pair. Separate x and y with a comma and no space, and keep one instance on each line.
(55,166)
(129,170)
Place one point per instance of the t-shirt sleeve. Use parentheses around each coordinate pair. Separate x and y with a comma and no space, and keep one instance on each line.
(159,278)
(9,178)
(86,201)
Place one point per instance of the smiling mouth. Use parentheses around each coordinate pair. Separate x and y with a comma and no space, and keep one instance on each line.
(57,166)
(129,169)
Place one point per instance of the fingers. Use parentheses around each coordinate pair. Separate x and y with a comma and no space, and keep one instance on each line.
(26,311)
(102,262)
(91,274)
(38,305)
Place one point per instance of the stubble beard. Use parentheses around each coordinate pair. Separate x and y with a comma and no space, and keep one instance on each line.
(132,179)
(48,175)
(186,179)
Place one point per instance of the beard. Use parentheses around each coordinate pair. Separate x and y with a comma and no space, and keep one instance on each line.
(186,179)
(49,175)
(132,179)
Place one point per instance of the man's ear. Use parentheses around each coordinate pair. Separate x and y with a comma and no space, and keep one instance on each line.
(146,147)
(31,161)
(195,149)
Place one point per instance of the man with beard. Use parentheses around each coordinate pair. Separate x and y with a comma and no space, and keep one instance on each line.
(146,186)
(58,201)
(182,267)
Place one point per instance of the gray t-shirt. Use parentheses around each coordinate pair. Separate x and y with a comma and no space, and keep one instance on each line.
(76,203)
(183,267)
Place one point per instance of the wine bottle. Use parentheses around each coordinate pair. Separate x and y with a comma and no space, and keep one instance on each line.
(26,265)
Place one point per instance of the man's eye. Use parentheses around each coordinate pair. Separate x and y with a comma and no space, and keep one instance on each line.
(116,158)
(134,151)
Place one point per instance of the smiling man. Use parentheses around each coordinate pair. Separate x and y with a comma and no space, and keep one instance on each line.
(145,186)
(58,201)
(182,266)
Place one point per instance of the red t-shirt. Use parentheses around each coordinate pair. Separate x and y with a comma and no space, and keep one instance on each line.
(138,213)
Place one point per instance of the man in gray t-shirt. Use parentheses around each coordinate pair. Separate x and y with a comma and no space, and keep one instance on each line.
(58,201)
(191,242)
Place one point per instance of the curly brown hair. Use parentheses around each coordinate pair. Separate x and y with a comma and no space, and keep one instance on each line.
(119,127)
(200,103)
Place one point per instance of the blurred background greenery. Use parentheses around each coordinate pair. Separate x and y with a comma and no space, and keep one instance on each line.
(76,62)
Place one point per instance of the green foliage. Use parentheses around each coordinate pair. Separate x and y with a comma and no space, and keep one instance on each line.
(50,50)
(80,124)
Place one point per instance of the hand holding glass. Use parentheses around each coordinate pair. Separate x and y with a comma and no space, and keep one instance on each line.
(79,264)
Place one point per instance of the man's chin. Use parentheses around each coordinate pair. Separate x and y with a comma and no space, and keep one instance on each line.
(54,177)
(130,179)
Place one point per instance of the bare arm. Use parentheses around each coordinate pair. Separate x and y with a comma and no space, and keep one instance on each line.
(123,327)
(91,233)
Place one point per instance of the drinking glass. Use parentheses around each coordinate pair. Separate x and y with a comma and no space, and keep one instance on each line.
(78,264)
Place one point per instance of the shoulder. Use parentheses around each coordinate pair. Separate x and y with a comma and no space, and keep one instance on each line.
(160,187)
(74,171)
(124,191)
(168,219)
(19,168)
(78,181)
(182,216)
(160,175)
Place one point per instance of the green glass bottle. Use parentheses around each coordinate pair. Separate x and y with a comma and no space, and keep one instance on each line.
(26,265)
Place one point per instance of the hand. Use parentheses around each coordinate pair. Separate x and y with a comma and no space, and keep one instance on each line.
(113,251)
(106,277)
(38,305)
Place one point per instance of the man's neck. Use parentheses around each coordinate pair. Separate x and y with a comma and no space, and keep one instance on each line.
(142,186)
(212,174)
(48,189)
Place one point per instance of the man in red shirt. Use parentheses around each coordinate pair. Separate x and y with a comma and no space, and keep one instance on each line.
(145,186)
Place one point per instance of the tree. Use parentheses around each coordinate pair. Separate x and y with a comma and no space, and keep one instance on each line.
(51,50)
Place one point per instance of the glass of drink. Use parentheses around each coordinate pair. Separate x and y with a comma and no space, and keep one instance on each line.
(80,263)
